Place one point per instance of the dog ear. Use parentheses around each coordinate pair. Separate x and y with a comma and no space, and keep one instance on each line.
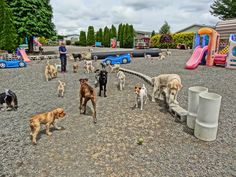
(180,86)
(86,79)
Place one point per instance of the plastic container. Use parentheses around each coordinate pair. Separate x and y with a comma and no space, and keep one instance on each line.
(193,102)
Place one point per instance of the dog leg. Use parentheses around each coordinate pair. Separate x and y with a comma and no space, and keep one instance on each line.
(141,100)
(85,105)
(55,125)
(35,134)
(48,129)
(136,102)
(94,111)
(121,86)
(100,89)
(81,101)
(153,93)
(175,98)
(105,90)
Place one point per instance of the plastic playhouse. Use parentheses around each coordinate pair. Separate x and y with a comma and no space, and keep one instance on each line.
(207,50)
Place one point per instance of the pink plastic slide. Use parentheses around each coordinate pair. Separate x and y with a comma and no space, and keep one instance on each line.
(24,55)
(196,57)
(37,43)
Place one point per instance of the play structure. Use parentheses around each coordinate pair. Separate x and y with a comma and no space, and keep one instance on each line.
(22,53)
(206,50)
(231,58)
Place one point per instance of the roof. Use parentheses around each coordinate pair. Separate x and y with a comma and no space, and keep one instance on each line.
(143,32)
(198,25)
(69,35)
(226,27)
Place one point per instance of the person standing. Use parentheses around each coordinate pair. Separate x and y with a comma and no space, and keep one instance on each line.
(63,52)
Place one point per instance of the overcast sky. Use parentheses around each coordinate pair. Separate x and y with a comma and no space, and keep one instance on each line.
(71,16)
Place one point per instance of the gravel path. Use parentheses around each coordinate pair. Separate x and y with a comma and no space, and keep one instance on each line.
(110,147)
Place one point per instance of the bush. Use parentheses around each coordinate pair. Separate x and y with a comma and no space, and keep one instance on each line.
(68,42)
(77,43)
(182,38)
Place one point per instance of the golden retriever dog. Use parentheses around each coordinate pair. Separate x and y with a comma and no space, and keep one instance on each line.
(47,119)
(114,67)
(75,67)
(121,80)
(50,71)
(61,89)
(87,93)
(169,82)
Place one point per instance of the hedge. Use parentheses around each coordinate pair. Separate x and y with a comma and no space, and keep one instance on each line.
(183,38)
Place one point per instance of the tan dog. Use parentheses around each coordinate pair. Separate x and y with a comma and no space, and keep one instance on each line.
(61,89)
(75,67)
(87,93)
(169,82)
(48,119)
(121,79)
(50,71)
(162,56)
(115,67)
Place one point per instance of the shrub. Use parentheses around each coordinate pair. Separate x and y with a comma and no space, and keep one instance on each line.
(184,38)
(68,42)
(77,43)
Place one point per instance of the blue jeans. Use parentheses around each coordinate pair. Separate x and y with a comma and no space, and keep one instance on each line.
(63,63)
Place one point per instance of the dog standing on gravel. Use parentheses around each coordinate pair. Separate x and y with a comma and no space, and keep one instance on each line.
(114,67)
(168,52)
(103,82)
(87,93)
(8,100)
(61,89)
(48,118)
(141,95)
(50,71)
(121,80)
(75,67)
(169,82)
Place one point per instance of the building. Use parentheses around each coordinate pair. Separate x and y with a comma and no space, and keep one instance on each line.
(225,28)
(142,39)
(193,28)
(72,38)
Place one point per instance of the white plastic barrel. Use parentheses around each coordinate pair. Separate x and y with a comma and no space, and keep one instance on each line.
(193,102)
(207,117)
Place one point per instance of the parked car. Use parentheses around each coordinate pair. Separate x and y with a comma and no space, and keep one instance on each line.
(142,45)
(12,63)
(121,59)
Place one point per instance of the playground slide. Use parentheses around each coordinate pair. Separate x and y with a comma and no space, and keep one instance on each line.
(24,55)
(196,57)
(37,43)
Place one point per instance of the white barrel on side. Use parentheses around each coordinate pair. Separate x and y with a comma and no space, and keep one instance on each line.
(193,102)
(207,117)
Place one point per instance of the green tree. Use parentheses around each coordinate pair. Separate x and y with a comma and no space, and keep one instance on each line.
(113,32)
(32,18)
(119,32)
(122,35)
(165,29)
(82,38)
(90,36)
(153,33)
(224,9)
(100,35)
(130,37)
(106,37)
(8,35)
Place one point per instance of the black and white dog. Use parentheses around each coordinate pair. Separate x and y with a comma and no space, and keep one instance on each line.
(8,99)
(77,56)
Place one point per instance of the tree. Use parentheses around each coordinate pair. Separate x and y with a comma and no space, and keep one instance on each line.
(106,37)
(90,36)
(113,32)
(130,37)
(224,9)
(32,18)
(153,33)
(100,35)
(119,32)
(8,35)
(165,29)
(82,38)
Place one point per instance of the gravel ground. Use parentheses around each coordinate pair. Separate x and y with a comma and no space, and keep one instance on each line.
(110,147)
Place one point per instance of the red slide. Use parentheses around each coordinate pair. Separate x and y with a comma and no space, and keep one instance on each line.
(24,55)
(196,57)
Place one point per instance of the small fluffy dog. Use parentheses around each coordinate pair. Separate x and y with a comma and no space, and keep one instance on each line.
(141,95)
(87,93)
(86,56)
(114,67)
(48,119)
(57,66)
(121,79)
(8,100)
(88,67)
(75,67)
(50,71)
(61,89)
(168,52)
(102,82)
(169,82)
(96,83)
(162,56)
(76,56)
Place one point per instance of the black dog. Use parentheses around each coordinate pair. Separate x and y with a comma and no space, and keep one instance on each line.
(10,99)
(77,56)
(103,82)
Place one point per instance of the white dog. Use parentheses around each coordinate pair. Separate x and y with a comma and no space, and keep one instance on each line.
(169,82)
(141,95)
(168,52)
(162,56)
(115,67)
(57,66)
(121,78)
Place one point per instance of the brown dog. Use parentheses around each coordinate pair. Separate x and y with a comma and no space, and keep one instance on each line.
(87,93)
(48,119)
(50,71)
(75,67)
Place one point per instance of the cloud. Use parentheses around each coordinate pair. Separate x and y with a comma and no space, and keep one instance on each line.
(71,16)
